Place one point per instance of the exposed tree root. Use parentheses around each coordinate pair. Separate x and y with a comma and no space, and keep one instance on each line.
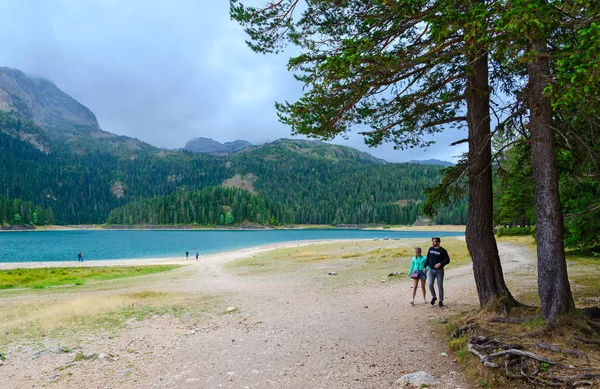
(508,320)
(555,348)
(587,341)
(528,366)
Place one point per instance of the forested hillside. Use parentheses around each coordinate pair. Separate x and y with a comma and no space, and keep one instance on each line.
(302,181)
(213,205)
(17,212)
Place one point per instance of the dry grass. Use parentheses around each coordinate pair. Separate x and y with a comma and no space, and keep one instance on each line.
(355,262)
(29,314)
(98,311)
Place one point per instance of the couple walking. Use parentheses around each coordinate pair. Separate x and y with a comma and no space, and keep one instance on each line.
(437,257)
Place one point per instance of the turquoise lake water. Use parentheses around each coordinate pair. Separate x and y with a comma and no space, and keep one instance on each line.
(101,245)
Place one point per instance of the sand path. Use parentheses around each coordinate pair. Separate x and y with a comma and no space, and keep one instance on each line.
(284,333)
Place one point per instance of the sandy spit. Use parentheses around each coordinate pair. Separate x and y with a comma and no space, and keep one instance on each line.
(207,258)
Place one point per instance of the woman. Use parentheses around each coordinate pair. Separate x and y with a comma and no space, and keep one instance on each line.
(418,271)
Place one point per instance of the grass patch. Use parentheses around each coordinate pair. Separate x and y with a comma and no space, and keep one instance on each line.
(356,262)
(97,312)
(46,277)
(584,271)
(528,241)
(585,286)
(534,324)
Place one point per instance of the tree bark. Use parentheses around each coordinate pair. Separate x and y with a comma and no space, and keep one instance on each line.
(480,238)
(553,281)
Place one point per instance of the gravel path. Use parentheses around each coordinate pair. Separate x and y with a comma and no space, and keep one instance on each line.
(283,333)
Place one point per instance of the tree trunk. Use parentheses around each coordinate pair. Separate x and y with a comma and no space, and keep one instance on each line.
(553,281)
(480,238)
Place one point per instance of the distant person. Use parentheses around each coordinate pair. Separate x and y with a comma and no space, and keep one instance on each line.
(437,258)
(418,271)
(80,257)
(187,253)
(197,255)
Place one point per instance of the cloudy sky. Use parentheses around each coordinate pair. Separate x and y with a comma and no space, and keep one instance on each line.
(163,71)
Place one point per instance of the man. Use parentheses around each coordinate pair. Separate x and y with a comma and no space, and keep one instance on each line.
(437,258)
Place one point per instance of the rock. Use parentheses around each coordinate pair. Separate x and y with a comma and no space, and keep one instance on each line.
(418,378)
(108,357)
(191,332)
(231,309)
(396,273)
(193,380)
(1,362)
(332,273)
(443,320)
(444,355)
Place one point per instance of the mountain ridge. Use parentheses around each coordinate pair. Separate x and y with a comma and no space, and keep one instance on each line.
(211,146)
(431,161)
(82,174)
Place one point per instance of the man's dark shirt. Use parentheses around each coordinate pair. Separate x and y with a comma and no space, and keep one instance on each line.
(435,256)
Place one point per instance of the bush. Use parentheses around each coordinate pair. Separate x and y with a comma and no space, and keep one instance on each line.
(515,231)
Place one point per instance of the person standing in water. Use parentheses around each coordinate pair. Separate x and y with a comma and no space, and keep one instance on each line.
(196,255)
(80,257)
(187,253)
(418,272)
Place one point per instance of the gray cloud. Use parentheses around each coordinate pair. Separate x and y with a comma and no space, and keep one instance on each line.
(161,71)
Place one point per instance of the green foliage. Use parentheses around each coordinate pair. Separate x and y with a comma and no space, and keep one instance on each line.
(452,189)
(515,231)
(18,212)
(581,204)
(514,192)
(229,218)
(579,190)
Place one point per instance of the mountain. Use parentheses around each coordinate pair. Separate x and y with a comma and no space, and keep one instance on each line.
(281,149)
(431,162)
(82,176)
(58,115)
(42,102)
(210,146)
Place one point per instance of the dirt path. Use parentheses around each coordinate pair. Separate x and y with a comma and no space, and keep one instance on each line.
(284,333)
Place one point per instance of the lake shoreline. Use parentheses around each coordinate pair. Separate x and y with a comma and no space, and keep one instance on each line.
(221,256)
(101,227)
(151,247)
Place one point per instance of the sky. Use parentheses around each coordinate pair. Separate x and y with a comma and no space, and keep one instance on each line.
(166,71)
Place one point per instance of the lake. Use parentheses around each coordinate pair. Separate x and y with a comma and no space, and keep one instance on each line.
(45,246)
